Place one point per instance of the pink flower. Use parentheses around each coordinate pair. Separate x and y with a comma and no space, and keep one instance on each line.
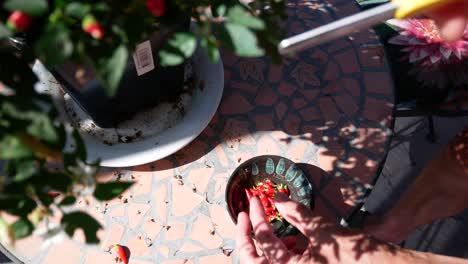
(424,44)
(437,63)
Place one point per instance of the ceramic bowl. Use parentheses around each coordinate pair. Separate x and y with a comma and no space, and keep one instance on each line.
(277,169)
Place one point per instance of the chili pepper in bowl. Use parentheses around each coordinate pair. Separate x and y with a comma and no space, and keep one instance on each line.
(266,191)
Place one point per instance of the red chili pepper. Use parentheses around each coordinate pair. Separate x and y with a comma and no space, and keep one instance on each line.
(92,27)
(121,253)
(53,194)
(19,21)
(156,7)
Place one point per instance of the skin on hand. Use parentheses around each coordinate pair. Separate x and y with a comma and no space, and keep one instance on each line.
(452,19)
(326,242)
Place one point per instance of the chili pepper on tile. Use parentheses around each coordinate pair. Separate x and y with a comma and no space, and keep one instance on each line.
(119,250)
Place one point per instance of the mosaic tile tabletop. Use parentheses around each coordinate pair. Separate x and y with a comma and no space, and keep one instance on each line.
(331,106)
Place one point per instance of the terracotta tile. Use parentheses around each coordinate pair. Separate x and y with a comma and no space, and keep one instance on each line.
(221,156)
(9,218)
(32,244)
(252,69)
(337,45)
(143,182)
(220,181)
(275,73)
(329,111)
(266,96)
(312,133)
(310,94)
(229,58)
(242,156)
(372,57)
(178,261)
(195,151)
(114,235)
(378,82)
(359,167)
(136,213)
(305,74)
(280,110)
(292,123)
(117,210)
(377,110)
(332,72)
(139,261)
(286,89)
(236,132)
(331,88)
(221,220)
(98,257)
(327,158)
(235,104)
(296,152)
(370,139)
(160,198)
(105,176)
(351,85)
(299,103)
(347,104)
(164,251)
(218,259)
(163,169)
(244,86)
(137,246)
(184,200)
(65,250)
(203,231)
(339,199)
(190,248)
(266,145)
(200,177)
(176,230)
(310,113)
(264,122)
(348,61)
(152,228)
(321,209)
(319,56)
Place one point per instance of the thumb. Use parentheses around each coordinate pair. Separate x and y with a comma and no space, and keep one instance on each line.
(451,20)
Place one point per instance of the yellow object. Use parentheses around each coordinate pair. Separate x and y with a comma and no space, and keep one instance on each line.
(411,8)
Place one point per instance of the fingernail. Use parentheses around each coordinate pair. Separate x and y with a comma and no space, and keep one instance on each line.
(281,197)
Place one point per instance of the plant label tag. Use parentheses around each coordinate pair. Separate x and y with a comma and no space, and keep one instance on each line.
(143,58)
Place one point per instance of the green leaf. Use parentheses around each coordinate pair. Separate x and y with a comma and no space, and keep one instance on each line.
(76,220)
(17,205)
(56,180)
(110,190)
(4,31)
(25,169)
(110,70)
(240,16)
(167,58)
(42,128)
(22,228)
(243,41)
(77,9)
(69,200)
(11,147)
(55,45)
(218,9)
(185,42)
(31,7)
(211,47)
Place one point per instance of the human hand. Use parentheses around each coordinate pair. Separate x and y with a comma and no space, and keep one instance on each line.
(326,242)
(452,19)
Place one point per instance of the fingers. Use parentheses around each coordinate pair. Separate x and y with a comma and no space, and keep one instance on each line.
(296,214)
(245,245)
(273,249)
(451,20)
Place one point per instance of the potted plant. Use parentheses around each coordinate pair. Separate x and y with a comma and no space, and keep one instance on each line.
(40,177)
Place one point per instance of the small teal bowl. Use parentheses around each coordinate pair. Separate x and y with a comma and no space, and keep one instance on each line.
(277,169)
